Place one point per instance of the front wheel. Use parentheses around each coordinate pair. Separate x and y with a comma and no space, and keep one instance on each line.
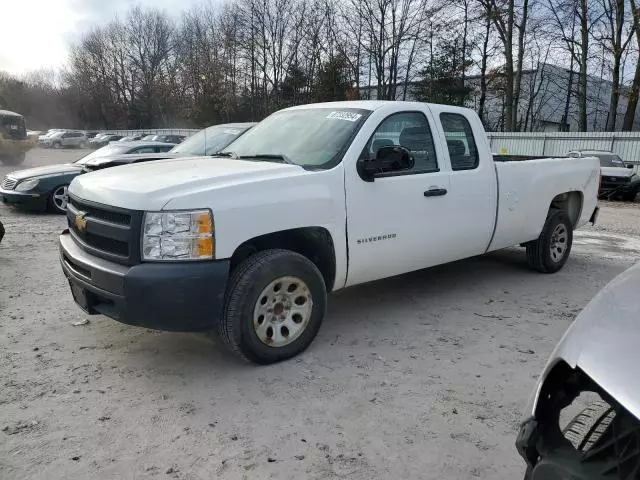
(57,145)
(274,306)
(58,199)
(630,196)
(550,251)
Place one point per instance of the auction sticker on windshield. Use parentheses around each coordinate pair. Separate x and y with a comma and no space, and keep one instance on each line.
(348,116)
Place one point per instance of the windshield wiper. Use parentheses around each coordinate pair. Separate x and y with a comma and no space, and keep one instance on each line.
(270,156)
(226,154)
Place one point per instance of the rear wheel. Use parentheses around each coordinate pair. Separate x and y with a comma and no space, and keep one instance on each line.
(630,196)
(58,200)
(550,251)
(275,303)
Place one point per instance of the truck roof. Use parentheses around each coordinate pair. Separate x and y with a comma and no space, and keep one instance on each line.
(373,105)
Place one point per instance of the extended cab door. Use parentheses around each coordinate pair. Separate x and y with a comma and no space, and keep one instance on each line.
(417,218)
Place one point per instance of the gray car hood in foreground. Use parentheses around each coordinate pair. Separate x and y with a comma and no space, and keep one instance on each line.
(48,170)
(604,341)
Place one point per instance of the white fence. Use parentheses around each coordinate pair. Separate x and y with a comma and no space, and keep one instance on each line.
(558,144)
(154,131)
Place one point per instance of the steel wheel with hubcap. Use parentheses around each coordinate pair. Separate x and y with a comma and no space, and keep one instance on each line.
(558,242)
(550,251)
(274,306)
(282,311)
(58,199)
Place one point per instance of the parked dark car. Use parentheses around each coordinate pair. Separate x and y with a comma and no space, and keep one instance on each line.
(45,188)
(617,177)
(208,141)
(134,138)
(103,139)
(169,138)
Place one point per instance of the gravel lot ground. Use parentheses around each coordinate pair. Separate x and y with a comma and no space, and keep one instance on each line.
(421,376)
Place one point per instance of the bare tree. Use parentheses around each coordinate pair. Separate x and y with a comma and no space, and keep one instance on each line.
(634,91)
(614,31)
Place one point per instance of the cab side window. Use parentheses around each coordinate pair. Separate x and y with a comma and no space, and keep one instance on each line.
(411,131)
(463,152)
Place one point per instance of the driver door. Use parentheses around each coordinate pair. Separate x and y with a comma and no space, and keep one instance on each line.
(399,221)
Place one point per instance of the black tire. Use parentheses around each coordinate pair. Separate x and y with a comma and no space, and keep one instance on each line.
(589,426)
(51,201)
(247,282)
(629,196)
(1,231)
(539,253)
(57,145)
(16,159)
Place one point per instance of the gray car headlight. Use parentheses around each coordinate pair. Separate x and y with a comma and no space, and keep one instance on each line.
(27,185)
(178,235)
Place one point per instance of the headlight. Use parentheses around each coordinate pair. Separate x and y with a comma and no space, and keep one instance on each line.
(27,185)
(178,235)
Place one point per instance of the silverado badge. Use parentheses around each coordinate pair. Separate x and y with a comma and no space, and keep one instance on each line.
(81,222)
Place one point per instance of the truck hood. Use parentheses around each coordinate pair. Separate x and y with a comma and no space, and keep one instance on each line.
(616,172)
(150,186)
(603,341)
(48,170)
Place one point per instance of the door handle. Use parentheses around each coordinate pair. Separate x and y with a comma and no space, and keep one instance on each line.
(435,192)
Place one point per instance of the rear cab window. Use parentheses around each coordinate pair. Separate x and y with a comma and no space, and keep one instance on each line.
(461,144)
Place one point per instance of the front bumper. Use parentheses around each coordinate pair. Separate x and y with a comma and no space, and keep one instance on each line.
(185,296)
(23,199)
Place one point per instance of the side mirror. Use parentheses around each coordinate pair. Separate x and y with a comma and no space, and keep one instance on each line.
(629,166)
(387,159)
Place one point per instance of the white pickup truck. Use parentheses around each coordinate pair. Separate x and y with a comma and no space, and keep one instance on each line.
(313,199)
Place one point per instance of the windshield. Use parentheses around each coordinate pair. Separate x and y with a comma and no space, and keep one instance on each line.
(611,161)
(148,137)
(111,149)
(312,137)
(209,141)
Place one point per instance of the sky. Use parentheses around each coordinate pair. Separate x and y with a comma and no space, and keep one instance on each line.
(36,34)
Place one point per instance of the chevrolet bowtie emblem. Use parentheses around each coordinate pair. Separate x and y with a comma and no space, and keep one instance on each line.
(81,222)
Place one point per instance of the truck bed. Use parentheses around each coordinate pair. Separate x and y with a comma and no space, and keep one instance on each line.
(526,190)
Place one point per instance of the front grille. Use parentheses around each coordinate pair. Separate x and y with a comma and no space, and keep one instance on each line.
(9,183)
(100,213)
(108,232)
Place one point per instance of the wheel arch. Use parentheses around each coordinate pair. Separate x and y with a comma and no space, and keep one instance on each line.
(314,243)
(570,202)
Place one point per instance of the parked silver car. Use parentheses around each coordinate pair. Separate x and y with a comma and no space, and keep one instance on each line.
(595,364)
(64,139)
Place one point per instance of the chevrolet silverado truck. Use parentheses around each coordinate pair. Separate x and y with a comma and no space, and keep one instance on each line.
(313,199)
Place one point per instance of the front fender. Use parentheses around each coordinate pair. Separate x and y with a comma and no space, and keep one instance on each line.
(604,342)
